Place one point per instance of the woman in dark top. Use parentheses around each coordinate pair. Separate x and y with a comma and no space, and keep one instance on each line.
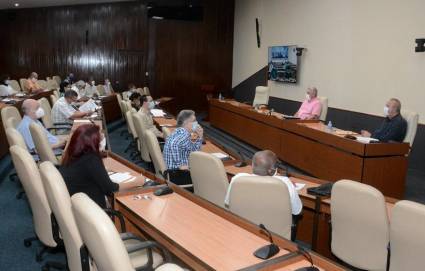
(82,167)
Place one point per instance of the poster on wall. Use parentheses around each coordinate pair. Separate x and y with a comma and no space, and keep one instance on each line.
(282,64)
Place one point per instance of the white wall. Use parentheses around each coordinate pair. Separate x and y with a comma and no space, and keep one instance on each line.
(359,52)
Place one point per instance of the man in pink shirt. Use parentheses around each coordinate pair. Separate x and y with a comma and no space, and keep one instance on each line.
(311,107)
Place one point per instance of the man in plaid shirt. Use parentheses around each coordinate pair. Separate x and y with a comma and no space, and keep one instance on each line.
(179,144)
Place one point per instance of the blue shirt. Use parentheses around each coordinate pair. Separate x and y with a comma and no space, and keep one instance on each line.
(178,147)
(24,129)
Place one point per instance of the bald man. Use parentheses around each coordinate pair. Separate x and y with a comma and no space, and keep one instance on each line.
(33,112)
(311,108)
(394,126)
(264,164)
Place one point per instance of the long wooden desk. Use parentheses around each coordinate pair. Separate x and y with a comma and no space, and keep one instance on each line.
(309,146)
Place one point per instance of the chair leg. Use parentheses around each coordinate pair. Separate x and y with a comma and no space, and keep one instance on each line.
(40,253)
(20,194)
(13,177)
(128,148)
(28,241)
(54,265)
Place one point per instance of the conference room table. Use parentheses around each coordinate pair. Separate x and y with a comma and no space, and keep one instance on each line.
(314,148)
(16,101)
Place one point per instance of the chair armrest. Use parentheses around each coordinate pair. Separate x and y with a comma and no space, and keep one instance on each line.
(62,124)
(114,213)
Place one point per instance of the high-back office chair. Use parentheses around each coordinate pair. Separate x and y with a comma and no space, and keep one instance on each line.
(53,99)
(22,82)
(166,132)
(57,78)
(101,89)
(261,95)
(155,153)
(42,215)
(209,177)
(140,130)
(146,91)
(10,112)
(263,200)
(412,125)
(52,84)
(15,85)
(324,112)
(102,239)
(14,137)
(42,84)
(41,143)
(47,118)
(360,227)
(11,123)
(406,236)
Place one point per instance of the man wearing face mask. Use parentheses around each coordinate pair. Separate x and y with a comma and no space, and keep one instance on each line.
(90,89)
(31,86)
(311,107)
(108,87)
(5,88)
(394,126)
(32,112)
(146,105)
(179,144)
(64,110)
(264,164)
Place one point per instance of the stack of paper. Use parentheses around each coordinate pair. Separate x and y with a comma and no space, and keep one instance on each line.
(90,105)
(366,140)
(20,95)
(299,186)
(220,155)
(121,177)
(82,121)
(158,112)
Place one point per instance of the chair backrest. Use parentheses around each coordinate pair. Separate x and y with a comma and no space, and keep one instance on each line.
(406,236)
(53,99)
(22,82)
(263,200)
(146,91)
(360,227)
(130,123)
(60,203)
(100,235)
(101,89)
(412,119)
(57,79)
(52,84)
(10,112)
(56,93)
(41,143)
(140,131)
(209,177)
(42,83)
(15,85)
(155,153)
(261,95)
(14,137)
(324,112)
(47,118)
(29,176)
(11,123)
(166,132)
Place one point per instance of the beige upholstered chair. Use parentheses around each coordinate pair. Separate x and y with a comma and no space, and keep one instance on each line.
(155,153)
(101,89)
(31,181)
(42,84)
(47,118)
(14,137)
(407,237)
(360,227)
(146,91)
(52,84)
(101,237)
(324,112)
(140,91)
(15,85)
(412,125)
(11,123)
(140,131)
(166,132)
(41,143)
(22,82)
(10,112)
(57,79)
(263,200)
(56,93)
(209,177)
(261,95)
(53,99)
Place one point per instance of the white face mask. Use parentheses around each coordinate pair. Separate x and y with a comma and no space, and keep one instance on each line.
(102,144)
(194,126)
(39,113)
(307,96)
(386,110)
(7,82)
(151,105)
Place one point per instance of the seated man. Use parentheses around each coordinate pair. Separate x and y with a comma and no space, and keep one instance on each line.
(64,112)
(394,126)
(31,85)
(90,89)
(179,144)
(108,87)
(135,100)
(311,107)
(131,89)
(147,105)
(264,164)
(32,112)
(5,88)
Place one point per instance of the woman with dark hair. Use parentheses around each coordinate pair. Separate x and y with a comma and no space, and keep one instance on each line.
(82,167)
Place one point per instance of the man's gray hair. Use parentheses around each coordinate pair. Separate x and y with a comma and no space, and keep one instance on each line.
(398,103)
(263,163)
(183,116)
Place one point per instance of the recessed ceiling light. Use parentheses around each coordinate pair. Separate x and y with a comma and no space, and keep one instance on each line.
(16,4)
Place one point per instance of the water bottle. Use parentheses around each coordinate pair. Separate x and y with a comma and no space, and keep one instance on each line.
(330,128)
(220,97)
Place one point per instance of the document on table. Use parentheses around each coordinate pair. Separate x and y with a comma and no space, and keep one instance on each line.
(90,105)
(121,177)
(299,186)
(158,112)
(82,121)
(220,155)
(366,140)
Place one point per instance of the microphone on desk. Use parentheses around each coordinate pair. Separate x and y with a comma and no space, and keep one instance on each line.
(269,250)
(242,163)
(306,255)
(165,190)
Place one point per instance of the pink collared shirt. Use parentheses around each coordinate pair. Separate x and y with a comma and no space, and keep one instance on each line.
(310,108)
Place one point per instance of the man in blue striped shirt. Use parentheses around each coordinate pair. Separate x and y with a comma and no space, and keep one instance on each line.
(179,144)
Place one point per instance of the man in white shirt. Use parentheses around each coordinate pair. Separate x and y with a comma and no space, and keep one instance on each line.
(264,164)
(90,89)
(63,110)
(5,88)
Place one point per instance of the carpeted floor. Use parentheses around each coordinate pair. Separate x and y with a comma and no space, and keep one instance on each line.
(15,215)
